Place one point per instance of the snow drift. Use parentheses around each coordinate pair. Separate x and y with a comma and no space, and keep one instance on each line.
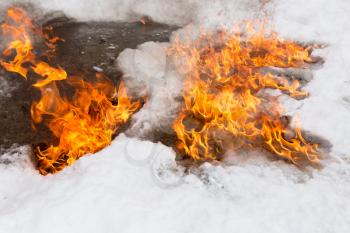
(135,186)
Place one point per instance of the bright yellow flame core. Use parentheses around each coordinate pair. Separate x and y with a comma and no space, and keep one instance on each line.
(225,94)
(83,124)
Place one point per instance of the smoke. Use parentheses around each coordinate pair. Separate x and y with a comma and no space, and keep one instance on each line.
(149,73)
(170,12)
(179,12)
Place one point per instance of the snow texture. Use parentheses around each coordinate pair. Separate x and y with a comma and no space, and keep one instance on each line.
(5,88)
(178,12)
(150,74)
(136,186)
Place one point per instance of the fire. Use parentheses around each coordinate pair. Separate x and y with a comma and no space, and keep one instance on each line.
(84,123)
(227,95)
(21,41)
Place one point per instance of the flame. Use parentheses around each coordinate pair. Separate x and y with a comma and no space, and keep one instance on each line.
(226,94)
(21,41)
(84,123)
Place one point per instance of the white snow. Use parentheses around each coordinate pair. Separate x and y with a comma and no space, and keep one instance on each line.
(178,12)
(136,186)
(326,112)
(149,73)
(5,88)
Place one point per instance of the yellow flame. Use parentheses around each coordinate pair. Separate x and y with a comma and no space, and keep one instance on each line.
(225,93)
(84,123)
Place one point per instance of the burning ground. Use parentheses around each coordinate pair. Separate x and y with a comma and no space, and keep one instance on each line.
(105,39)
(122,187)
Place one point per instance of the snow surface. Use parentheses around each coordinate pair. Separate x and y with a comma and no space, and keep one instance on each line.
(136,186)
(326,112)
(149,73)
(5,88)
(178,12)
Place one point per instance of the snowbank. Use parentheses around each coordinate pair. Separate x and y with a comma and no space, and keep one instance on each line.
(327,111)
(148,73)
(135,186)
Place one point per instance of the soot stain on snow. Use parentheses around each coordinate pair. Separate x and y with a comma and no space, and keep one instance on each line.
(88,47)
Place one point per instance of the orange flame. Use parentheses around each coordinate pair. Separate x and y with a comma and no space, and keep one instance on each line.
(84,123)
(21,41)
(225,93)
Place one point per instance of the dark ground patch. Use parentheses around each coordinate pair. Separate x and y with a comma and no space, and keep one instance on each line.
(86,45)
